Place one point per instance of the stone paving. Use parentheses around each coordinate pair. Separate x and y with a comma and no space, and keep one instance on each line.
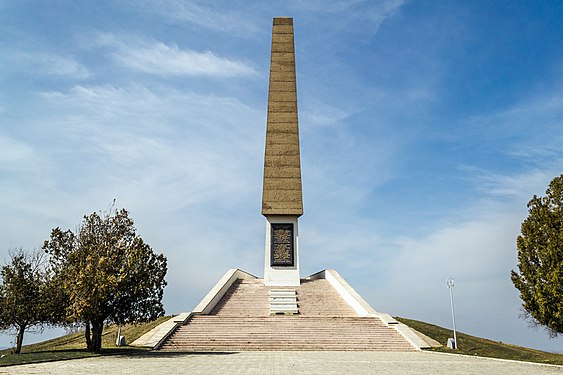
(278,362)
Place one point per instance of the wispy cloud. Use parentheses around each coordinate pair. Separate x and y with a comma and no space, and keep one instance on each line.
(478,253)
(519,147)
(237,18)
(48,64)
(231,17)
(169,60)
(159,107)
(536,118)
(511,186)
(398,271)
(315,112)
(367,15)
(179,160)
(137,124)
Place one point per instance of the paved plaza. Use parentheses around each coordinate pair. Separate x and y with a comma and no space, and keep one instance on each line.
(278,362)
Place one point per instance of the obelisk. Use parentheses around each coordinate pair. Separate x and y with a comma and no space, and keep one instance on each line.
(282,201)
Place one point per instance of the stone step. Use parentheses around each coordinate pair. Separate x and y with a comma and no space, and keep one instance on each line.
(283,292)
(286,346)
(286,333)
(308,338)
(242,321)
(278,300)
(285,310)
(251,298)
(197,348)
(283,302)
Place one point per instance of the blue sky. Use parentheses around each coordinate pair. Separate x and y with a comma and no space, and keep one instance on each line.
(426,127)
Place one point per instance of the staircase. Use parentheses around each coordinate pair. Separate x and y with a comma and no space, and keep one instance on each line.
(242,321)
(283,302)
(214,333)
(244,298)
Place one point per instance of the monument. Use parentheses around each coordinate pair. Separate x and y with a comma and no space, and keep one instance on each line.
(282,311)
(282,201)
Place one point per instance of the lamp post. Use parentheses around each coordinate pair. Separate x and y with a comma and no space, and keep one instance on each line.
(450,284)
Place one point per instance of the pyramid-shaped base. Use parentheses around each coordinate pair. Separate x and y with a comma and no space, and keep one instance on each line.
(235,316)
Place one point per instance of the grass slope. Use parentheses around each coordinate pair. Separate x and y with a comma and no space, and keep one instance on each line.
(73,345)
(472,345)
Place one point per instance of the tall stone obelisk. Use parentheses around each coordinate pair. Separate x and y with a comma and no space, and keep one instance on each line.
(282,201)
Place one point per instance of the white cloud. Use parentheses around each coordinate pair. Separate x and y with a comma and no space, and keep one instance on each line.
(404,274)
(378,15)
(188,165)
(237,18)
(371,14)
(49,64)
(315,112)
(231,17)
(162,59)
(170,60)
(170,134)
(479,254)
(62,66)
(185,164)
(516,187)
(529,129)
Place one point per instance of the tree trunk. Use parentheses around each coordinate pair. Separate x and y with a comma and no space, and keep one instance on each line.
(97,328)
(87,336)
(19,339)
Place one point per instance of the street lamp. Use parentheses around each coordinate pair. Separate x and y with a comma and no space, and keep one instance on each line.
(450,284)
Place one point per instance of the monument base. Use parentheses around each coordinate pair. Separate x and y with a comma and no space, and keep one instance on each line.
(237,315)
(281,263)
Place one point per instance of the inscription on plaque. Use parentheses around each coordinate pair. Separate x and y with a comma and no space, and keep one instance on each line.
(282,245)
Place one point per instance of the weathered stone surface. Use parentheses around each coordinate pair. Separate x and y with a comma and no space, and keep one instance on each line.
(281,69)
(288,172)
(282,87)
(284,184)
(282,47)
(284,149)
(283,21)
(282,167)
(281,106)
(288,76)
(283,57)
(282,117)
(280,96)
(283,29)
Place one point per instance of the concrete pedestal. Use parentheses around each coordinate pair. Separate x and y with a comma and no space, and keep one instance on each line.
(276,273)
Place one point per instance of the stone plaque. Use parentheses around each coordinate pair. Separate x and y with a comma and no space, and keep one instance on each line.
(282,248)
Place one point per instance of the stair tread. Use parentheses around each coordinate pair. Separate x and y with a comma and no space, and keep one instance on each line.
(242,321)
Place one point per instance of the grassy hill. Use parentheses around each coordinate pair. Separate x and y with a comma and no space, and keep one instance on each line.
(72,345)
(471,345)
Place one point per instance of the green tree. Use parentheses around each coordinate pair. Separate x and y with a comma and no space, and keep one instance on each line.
(108,273)
(21,293)
(540,260)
